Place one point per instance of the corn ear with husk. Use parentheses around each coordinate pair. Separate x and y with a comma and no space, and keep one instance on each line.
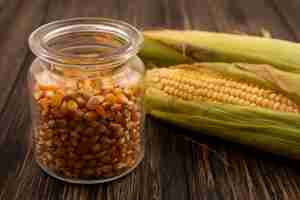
(165,47)
(256,105)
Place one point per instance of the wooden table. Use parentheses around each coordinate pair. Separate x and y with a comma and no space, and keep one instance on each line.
(175,166)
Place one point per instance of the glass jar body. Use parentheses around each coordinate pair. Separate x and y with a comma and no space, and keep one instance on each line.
(88,127)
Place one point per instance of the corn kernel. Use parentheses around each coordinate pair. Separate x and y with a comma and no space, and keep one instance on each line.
(72,105)
(56,100)
(110,97)
(277,97)
(265,102)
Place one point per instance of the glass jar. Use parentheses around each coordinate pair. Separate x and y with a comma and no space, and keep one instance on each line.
(87,93)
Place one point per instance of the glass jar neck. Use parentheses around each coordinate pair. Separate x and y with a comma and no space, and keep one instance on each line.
(91,72)
(87,45)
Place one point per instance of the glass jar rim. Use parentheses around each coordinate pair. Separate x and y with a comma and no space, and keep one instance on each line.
(115,28)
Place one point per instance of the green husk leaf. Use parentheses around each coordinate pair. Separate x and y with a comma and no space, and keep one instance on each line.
(261,140)
(154,52)
(276,132)
(220,47)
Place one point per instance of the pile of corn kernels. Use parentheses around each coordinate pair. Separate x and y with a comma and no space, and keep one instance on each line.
(87,132)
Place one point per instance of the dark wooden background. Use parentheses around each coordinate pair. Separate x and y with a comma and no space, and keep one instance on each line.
(175,167)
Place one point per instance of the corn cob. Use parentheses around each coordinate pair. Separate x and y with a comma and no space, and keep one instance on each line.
(204,85)
(201,46)
(233,105)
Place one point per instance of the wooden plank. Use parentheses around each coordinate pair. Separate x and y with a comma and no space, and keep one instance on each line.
(13,44)
(289,14)
(76,8)
(152,14)
(199,15)
(260,14)
(249,17)
(18,19)
(175,167)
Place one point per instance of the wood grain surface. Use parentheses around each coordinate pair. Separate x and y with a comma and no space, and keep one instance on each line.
(179,164)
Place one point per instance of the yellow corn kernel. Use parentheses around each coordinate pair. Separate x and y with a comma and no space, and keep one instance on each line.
(91,116)
(56,100)
(72,105)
